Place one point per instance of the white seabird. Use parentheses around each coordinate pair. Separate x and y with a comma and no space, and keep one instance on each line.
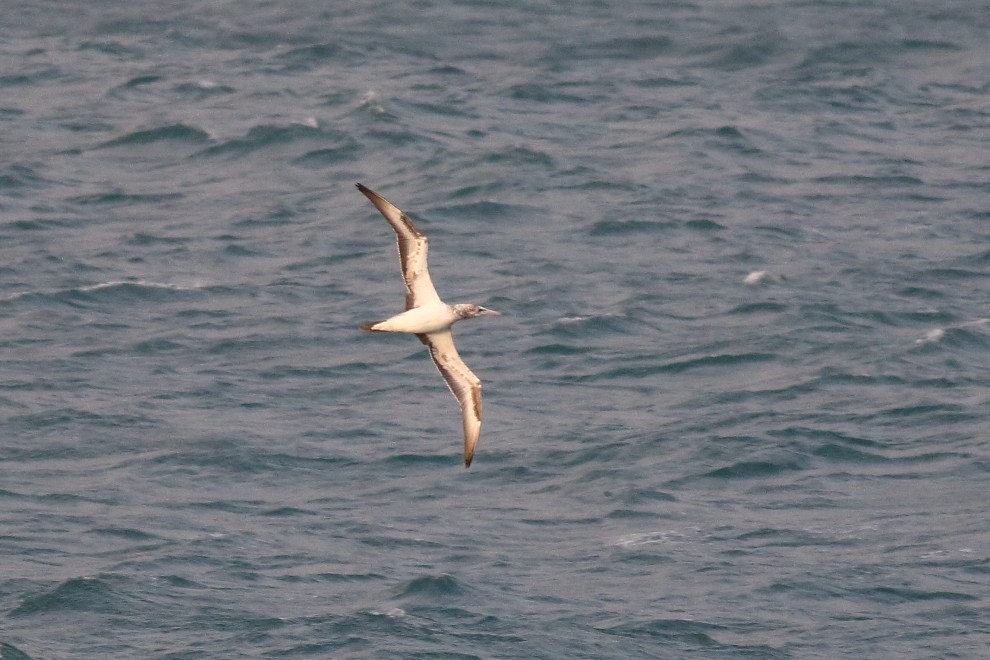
(429,318)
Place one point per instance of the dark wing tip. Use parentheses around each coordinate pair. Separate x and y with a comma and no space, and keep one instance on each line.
(374,197)
(467,461)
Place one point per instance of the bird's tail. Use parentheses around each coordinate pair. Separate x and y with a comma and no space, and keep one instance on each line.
(370,327)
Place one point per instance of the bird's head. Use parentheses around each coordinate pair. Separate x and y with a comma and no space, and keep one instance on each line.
(469,311)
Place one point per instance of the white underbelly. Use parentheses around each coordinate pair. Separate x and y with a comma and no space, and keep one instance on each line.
(428,318)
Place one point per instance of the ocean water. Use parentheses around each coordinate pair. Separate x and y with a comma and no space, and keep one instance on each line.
(737,404)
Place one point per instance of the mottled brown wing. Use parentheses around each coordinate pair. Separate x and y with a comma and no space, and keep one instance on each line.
(413,248)
(464,385)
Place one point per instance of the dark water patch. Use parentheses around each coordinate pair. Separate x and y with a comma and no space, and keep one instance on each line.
(347,577)
(562,521)
(212,318)
(635,371)
(661,82)
(406,460)
(42,224)
(121,198)
(11,652)
(482,190)
(288,512)
(18,176)
(729,132)
(952,274)
(238,250)
(143,239)
(625,227)
(180,133)
(768,537)
(448,109)
(534,92)
(281,372)
(62,499)
(595,451)
(696,634)
(835,376)
(935,457)
(251,344)
(826,436)
(813,590)
(900,595)
(87,594)
(309,57)
(640,496)
(556,349)
(38,77)
(755,469)
(181,582)
(125,533)
(704,225)
(764,307)
(319,159)
(736,50)
(431,588)
(631,514)
(86,125)
(338,147)
(278,215)
(716,361)
(239,461)
(140,81)
(259,138)
(837,452)
(871,182)
(224,506)
(74,418)
(929,45)
(520,157)
(393,541)
(981,258)
(628,48)
(930,411)
(486,210)
(158,345)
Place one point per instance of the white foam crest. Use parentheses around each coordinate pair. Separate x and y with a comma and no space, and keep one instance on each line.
(756,277)
(936,335)
(664,536)
(372,101)
(144,283)
(931,337)
(196,284)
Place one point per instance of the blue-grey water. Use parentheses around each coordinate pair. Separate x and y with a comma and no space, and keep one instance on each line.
(737,405)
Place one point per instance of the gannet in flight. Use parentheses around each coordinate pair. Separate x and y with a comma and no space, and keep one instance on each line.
(429,318)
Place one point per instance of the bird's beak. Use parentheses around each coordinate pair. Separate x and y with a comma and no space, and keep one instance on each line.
(484,311)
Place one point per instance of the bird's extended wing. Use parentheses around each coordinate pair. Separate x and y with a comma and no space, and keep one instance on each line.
(413,246)
(464,385)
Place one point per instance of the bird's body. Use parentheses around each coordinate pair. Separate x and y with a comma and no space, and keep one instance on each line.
(432,317)
(429,318)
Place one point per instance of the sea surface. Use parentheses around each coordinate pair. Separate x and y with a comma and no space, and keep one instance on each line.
(737,404)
